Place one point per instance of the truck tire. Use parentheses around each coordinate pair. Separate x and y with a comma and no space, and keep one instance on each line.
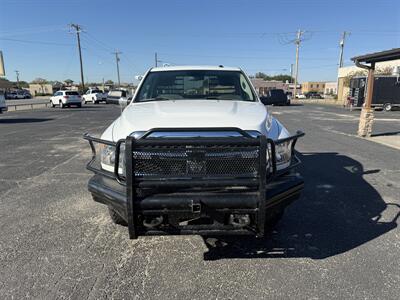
(387,106)
(116,218)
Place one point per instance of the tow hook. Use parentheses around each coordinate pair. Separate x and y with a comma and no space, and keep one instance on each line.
(152,222)
(239,220)
(196,207)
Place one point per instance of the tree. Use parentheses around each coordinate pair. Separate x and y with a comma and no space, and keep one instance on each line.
(68,81)
(57,84)
(282,77)
(388,70)
(279,77)
(23,84)
(39,81)
(261,75)
(109,82)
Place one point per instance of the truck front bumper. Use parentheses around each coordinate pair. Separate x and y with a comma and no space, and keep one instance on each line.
(214,206)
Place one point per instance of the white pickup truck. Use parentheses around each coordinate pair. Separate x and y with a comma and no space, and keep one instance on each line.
(195,152)
(94,95)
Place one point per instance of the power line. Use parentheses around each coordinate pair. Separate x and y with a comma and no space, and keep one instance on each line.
(35,42)
(100,43)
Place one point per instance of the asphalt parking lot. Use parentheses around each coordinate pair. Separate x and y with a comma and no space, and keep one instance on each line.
(340,240)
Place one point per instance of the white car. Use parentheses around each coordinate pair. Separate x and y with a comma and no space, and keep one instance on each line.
(94,96)
(195,152)
(301,96)
(3,105)
(66,98)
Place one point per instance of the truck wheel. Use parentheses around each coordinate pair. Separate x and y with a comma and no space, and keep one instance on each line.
(116,218)
(61,105)
(387,107)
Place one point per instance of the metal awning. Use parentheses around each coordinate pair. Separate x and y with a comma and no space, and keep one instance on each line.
(378,56)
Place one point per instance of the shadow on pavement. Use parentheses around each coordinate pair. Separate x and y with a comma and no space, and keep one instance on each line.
(338,211)
(24,120)
(385,133)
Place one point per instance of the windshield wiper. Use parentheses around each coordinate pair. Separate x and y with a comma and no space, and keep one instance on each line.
(212,97)
(155,98)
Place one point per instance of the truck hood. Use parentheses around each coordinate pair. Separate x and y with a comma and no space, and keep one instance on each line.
(190,113)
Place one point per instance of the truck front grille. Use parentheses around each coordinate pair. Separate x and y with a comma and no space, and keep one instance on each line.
(192,161)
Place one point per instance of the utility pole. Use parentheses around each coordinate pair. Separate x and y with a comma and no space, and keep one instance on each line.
(297,42)
(291,73)
(78,30)
(155,59)
(17,72)
(117,61)
(341,44)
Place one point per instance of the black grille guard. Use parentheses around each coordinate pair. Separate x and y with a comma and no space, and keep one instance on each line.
(266,145)
(267,168)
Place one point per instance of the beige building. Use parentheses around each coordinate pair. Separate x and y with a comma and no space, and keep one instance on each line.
(343,89)
(330,88)
(35,88)
(313,86)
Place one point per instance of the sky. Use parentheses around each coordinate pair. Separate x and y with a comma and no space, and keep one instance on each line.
(256,35)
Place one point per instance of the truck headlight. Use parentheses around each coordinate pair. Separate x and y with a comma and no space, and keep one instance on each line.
(107,155)
(283,153)
(107,158)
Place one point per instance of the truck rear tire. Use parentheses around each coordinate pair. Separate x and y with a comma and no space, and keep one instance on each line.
(116,218)
(387,106)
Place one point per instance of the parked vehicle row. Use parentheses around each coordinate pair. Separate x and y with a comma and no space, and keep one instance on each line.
(67,98)
(95,96)
(20,94)
(309,95)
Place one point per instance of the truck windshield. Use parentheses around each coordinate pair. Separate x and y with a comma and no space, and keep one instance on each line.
(195,84)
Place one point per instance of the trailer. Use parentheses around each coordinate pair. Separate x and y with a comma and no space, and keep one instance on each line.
(386,93)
